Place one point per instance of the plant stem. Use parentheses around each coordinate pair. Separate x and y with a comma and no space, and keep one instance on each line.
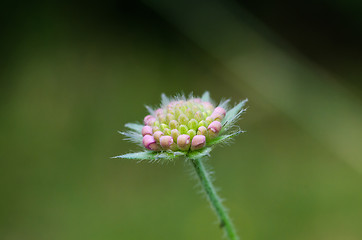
(225,221)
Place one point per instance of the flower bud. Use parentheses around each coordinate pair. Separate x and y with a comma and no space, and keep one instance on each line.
(170,117)
(159,112)
(167,131)
(146,130)
(155,129)
(217,116)
(174,134)
(209,120)
(173,124)
(183,119)
(198,116)
(183,142)
(192,124)
(220,110)
(203,123)
(149,120)
(214,129)
(191,133)
(183,129)
(163,126)
(201,131)
(166,142)
(157,135)
(198,142)
(208,106)
(150,143)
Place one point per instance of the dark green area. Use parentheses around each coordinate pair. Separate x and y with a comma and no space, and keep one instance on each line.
(73,75)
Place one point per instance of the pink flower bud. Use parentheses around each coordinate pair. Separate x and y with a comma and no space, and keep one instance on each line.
(198,142)
(167,142)
(220,110)
(159,112)
(183,142)
(197,100)
(201,130)
(150,143)
(157,135)
(146,130)
(217,116)
(214,129)
(208,106)
(149,120)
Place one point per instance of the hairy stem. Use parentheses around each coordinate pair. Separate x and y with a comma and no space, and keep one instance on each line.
(225,221)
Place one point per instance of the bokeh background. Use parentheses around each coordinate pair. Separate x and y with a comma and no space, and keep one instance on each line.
(72,74)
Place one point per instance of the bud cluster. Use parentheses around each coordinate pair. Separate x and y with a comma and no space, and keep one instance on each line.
(182,125)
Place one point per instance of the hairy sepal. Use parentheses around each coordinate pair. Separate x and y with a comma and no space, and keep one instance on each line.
(232,115)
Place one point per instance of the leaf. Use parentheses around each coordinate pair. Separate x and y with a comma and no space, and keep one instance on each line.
(199,153)
(133,137)
(206,97)
(148,155)
(134,126)
(233,114)
(151,156)
(223,138)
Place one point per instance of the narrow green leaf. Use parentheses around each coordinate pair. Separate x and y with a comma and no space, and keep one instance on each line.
(147,155)
(199,153)
(151,156)
(134,126)
(206,97)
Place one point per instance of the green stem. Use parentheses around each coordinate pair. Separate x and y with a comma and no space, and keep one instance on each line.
(225,221)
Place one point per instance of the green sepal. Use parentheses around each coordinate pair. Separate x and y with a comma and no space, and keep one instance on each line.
(206,97)
(199,153)
(132,136)
(151,156)
(134,126)
(232,115)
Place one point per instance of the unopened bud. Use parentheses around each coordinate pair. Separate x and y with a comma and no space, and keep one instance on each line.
(198,116)
(150,143)
(201,131)
(198,142)
(191,133)
(193,124)
(149,120)
(173,124)
(217,116)
(146,130)
(157,135)
(183,129)
(166,142)
(159,112)
(220,110)
(174,134)
(167,131)
(203,123)
(183,119)
(214,129)
(183,142)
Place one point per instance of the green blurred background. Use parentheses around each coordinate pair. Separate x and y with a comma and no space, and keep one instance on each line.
(72,74)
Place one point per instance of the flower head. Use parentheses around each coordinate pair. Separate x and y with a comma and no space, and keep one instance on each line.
(183,126)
